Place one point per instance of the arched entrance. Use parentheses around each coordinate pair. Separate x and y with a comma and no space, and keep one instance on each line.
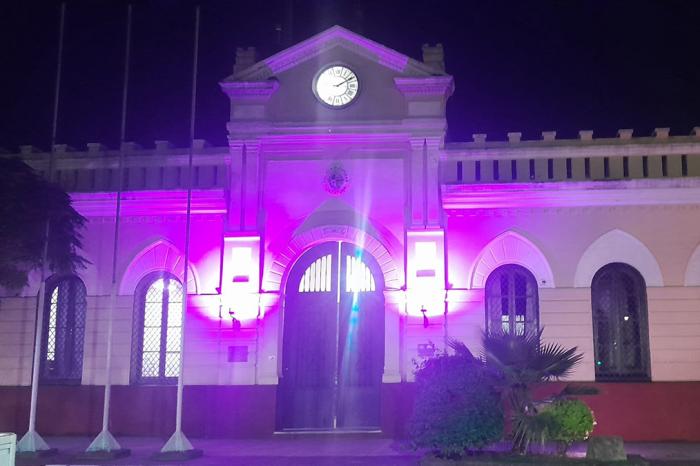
(333,341)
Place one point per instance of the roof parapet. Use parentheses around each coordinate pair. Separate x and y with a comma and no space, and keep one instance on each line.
(95,148)
(28,149)
(129,147)
(479,138)
(163,145)
(625,134)
(245,58)
(199,144)
(434,56)
(696,132)
(514,137)
(585,135)
(661,133)
(62,148)
(549,135)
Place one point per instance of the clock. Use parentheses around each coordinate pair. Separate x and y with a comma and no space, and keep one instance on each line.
(336,86)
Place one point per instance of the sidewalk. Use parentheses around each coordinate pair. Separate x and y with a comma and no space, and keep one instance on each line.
(315,451)
(283,450)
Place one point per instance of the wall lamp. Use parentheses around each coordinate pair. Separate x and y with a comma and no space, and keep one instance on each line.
(424,311)
(235,323)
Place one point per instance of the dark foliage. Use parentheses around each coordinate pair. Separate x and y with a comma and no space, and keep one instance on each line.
(524,361)
(456,407)
(27,202)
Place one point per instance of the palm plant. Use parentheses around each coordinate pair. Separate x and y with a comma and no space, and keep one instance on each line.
(523,361)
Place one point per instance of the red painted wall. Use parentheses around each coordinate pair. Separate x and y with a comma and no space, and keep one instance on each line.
(655,411)
(636,411)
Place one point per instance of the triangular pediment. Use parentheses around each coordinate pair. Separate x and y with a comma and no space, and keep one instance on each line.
(336,36)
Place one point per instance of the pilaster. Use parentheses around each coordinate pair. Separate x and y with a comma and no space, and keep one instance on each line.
(244,185)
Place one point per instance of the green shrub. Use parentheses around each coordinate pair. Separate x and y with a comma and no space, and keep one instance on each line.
(456,407)
(567,421)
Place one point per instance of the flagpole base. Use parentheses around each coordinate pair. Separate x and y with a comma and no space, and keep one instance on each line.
(31,443)
(177,448)
(105,447)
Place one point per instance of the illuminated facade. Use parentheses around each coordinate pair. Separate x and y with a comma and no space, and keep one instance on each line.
(338,238)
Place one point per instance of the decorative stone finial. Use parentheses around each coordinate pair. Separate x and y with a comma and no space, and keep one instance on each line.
(128,147)
(434,56)
(479,138)
(661,133)
(514,137)
(28,149)
(625,133)
(162,145)
(696,132)
(585,135)
(62,148)
(95,147)
(549,135)
(245,57)
(199,144)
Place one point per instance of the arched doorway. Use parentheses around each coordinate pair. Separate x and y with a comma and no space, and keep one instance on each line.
(333,341)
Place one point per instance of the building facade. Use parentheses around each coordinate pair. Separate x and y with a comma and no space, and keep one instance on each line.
(338,240)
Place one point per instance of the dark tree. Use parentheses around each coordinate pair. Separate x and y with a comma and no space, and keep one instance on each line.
(27,202)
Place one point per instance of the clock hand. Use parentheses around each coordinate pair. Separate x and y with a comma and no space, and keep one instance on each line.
(343,82)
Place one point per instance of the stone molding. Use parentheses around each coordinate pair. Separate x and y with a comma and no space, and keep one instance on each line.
(150,203)
(435,86)
(617,246)
(570,148)
(692,271)
(335,36)
(511,248)
(250,92)
(276,274)
(569,194)
(160,255)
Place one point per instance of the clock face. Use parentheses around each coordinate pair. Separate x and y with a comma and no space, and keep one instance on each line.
(336,86)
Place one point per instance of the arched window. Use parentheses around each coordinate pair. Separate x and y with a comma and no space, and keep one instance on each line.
(63,331)
(156,332)
(512,305)
(620,328)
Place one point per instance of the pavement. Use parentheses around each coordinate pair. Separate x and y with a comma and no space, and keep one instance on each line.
(316,450)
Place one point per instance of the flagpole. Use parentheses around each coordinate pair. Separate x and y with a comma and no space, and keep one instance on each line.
(178,444)
(32,442)
(105,443)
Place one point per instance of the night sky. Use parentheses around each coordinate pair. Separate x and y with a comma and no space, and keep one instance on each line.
(522,66)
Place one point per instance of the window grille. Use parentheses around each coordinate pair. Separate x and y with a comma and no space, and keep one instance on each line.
(317,277)
(63,331)
(358,277)
(156,332)
(512,304)
(620,325)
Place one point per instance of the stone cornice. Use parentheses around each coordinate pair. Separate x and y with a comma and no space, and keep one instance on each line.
(86,160)
(150,203)
(571,194)
(420,88)
(250,92)
(678,145)
(420,127)
(335,36)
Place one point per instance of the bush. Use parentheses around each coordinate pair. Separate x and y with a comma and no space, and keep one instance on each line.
(456,407)
(567,421)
